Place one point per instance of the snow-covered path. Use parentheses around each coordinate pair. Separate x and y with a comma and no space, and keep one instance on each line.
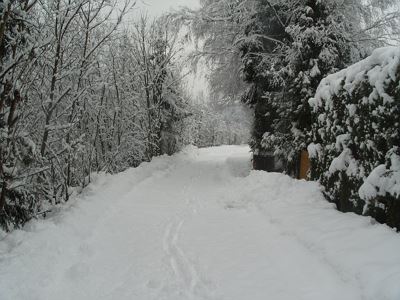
(200,225)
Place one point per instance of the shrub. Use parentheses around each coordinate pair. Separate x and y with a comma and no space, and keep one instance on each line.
(356,134)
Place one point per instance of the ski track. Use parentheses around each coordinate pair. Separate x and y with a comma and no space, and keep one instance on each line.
(200,226)
(185,271)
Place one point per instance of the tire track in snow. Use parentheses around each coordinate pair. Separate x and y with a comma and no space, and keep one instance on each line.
(185,271)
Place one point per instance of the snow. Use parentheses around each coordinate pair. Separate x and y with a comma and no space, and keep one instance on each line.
(314,150)
(379,68)
(382,181)
(200,225)
(345,161)
(315,71)
(362,124)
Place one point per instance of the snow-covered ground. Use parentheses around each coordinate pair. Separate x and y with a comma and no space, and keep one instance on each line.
(200,225)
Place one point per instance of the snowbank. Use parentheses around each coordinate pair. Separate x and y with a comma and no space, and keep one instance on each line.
(191,226)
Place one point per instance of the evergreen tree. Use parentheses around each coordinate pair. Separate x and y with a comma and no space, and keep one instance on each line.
(317,46)
(289,48)
(262,60)
(285,48)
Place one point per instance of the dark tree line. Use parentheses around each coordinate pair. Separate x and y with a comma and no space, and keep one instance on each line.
(274,55)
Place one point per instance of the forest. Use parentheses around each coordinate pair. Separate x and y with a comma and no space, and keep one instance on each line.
(82,92)
(227,149)
(306,68)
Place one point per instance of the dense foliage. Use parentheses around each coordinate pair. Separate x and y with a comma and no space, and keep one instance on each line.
(356,135)
(310,44)
(78,94)
(216,125)
(274,54)
(18,160)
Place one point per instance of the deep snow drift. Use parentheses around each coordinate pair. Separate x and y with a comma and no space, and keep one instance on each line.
(200,225)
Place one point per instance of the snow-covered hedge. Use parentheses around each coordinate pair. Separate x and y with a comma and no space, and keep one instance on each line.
(356,134)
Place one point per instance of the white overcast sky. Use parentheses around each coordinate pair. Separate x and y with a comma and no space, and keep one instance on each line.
(196,82)
(157,7)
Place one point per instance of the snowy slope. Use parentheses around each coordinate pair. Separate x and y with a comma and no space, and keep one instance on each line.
(200,225)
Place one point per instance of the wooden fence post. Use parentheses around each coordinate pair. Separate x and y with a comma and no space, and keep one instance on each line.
(304,165)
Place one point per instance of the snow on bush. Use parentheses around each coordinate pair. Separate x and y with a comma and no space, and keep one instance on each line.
(356,135)
(383,181)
